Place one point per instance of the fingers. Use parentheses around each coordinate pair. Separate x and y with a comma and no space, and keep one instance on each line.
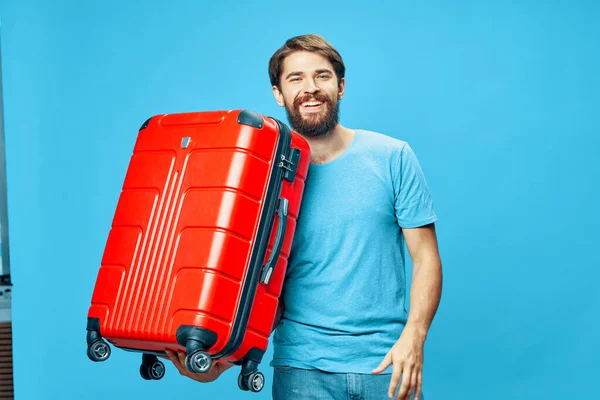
(224,367)
(396,371)
(406,388)
(387,360)
(419,386)
(409,382)
(171,356)
(181,357)
(176,359)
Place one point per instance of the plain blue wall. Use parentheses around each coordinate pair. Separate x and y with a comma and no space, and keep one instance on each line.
(499,100)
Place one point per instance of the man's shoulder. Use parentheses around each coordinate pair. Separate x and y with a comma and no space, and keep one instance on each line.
(375,141)
(381,138)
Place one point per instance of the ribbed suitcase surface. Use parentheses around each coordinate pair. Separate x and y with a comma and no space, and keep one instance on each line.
(187,263)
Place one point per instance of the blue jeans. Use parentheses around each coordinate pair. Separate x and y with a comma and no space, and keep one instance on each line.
(301,384)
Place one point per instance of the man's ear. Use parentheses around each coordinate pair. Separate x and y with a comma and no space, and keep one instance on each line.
(341,88)
(278,96)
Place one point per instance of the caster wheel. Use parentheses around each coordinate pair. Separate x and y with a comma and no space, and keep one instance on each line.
(98,351)
(198,362)
(256,381)
(154,370)
(242,383)
(144,372)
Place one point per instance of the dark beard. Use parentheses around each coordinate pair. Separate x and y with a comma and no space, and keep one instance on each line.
(313,127)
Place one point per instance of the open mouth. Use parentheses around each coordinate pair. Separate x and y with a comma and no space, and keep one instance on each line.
(312,105)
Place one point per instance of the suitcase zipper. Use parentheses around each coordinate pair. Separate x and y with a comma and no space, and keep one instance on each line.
(285,169)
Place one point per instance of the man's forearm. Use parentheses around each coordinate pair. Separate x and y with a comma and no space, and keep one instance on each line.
(425,293)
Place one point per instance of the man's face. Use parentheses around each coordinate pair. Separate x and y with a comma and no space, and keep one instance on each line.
(310,93)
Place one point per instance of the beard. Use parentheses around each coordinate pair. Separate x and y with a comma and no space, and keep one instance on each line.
(313,125)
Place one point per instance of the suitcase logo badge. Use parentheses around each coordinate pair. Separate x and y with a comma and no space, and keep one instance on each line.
(185,142)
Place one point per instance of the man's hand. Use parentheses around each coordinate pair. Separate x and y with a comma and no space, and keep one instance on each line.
(213,373)
(406,356)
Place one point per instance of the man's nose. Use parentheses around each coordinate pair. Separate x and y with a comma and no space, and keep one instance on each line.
(311,87)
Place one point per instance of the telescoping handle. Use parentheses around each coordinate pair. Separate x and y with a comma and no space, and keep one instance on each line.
(282,213)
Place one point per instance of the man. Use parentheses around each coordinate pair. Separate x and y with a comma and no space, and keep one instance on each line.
(343,320)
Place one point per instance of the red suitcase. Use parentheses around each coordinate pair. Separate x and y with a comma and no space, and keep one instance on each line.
(198,248)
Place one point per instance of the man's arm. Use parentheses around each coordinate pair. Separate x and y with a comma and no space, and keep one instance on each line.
(426,287)
(406,355)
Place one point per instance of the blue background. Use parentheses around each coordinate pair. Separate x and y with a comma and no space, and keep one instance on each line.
(499,100)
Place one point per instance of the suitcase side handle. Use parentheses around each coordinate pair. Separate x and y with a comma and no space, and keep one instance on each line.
(282,213)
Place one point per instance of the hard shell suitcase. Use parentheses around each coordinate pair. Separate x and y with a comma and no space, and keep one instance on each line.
(198,248)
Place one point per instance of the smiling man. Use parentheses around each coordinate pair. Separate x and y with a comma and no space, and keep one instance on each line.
(343,320)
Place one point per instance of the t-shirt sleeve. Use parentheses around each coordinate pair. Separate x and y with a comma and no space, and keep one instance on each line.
(412,198)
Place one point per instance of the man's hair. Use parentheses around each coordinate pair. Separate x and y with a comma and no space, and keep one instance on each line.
(311,42)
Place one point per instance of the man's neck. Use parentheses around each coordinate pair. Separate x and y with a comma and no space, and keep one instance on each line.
(326,148)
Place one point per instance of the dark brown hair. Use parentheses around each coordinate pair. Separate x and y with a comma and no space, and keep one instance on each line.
(311,42)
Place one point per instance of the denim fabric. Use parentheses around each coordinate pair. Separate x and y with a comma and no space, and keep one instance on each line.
(304,384)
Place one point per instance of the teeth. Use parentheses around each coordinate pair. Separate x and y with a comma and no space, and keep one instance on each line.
(311,104)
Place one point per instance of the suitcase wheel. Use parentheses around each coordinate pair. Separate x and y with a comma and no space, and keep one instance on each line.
(152,368)
(253,382)
(198,362)
(98,351)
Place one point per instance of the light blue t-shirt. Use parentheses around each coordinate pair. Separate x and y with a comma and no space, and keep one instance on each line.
(344,291)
